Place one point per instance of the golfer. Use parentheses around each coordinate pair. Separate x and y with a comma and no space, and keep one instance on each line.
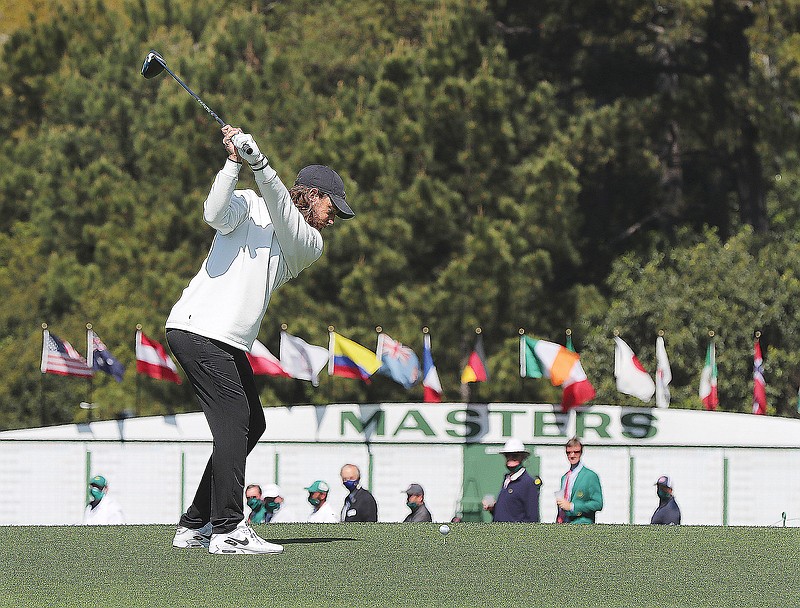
(260,243)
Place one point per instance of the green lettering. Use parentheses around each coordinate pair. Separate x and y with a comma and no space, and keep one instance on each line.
(601,428)
(419,424)
(472,427)
(545,420)
(638,425)
(378,419)
(507,417)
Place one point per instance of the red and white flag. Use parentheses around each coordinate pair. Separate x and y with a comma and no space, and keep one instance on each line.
(632,378)
(263,362)
(759,386)
(663,374)
(432,388)
(301,360)
(59,357)
(152,360)
(708,379)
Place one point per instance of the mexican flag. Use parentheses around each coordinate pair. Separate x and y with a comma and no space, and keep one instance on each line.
(708,379)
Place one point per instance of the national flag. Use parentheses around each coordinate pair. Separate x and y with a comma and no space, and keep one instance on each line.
(349,359)
(432,388)
(475,370)
(399,362)
(302,360)
(759,386)
(263,362)
(59,357)
(101,357)
(152,360)
(539,358)
(708,379)
(632,378)
(663,374)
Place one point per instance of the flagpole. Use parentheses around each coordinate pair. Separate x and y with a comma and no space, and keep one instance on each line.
(522,363)
(42,405)
(331,329)
(138,379)
(90,363)
(473,391)
(426,331)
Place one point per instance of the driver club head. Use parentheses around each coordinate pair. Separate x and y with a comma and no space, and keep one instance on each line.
(153,65)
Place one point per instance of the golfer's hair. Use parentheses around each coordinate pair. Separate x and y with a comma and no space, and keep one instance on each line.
(573,442)
(301,199)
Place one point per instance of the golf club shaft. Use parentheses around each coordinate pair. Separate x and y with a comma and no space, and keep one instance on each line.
(221,122)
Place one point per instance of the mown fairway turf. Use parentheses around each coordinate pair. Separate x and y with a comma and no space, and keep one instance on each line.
(476,565)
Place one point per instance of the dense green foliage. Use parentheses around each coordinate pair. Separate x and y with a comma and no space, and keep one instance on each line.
(598,165)
(474,565)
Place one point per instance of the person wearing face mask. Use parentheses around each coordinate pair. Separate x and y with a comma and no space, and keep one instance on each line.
(415,500)
(667,511)
(359,505)
(323,512)
(580,496)
(518,500)
(102,509)
(267,505)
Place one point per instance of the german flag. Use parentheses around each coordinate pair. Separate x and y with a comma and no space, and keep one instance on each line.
(476,370)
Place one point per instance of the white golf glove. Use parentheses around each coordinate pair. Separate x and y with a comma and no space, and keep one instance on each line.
(247,148)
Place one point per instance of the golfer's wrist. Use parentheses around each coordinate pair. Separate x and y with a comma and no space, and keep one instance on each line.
(260,163)
(232,168)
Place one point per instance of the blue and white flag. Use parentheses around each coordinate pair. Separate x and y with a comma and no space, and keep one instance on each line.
(101,358)
(398,361)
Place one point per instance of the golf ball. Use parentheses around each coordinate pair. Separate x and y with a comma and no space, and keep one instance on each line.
(444,529)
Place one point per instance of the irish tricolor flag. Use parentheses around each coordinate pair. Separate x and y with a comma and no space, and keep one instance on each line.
(541,359)
(708,379)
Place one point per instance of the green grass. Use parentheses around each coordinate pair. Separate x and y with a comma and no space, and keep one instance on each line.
(407,565)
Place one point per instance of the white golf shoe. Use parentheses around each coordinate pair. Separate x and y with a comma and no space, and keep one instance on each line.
(189,538)
(242,540)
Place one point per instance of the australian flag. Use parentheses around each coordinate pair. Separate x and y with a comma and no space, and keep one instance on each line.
(102,359)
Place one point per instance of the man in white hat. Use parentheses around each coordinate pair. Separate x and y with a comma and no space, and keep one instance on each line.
(518,500)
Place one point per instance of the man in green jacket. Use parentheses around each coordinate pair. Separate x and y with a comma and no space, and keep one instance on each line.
(581,496)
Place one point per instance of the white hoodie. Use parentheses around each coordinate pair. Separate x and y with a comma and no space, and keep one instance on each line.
(261,242)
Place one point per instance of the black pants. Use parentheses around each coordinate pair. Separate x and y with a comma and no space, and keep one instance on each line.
(223,382)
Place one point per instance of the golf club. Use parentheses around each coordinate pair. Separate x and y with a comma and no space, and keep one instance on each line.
(154,64)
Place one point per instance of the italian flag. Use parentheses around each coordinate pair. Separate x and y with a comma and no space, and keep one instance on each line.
(541,359)
(708,379)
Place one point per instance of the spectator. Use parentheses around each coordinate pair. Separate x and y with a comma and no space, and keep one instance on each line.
(102,509)
(416,502)
(518,500)
(359,505)
(276,505)
(667,511)
(258,510)
(323,513)
(581,496)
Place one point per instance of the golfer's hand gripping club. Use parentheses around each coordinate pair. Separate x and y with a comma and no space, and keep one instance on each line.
(247,148)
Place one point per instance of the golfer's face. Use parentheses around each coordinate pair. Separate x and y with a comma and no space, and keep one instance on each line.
(323,212)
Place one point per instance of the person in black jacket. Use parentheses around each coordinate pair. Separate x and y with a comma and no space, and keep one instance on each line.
(359,505)
(416,502)
(667,511)
(518,500)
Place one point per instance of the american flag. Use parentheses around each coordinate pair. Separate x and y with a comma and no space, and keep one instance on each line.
(59,357)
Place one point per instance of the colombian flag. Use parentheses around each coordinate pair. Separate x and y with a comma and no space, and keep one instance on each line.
(351,360)
(475,370)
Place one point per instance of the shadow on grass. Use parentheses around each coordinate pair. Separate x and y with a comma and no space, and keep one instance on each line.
(299,541)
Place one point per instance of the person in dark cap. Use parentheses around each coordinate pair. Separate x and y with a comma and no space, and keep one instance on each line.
(261,242)
(416,502)
(667,511)
(518,500)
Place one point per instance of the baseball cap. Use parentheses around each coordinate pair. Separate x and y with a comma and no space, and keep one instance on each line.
(318,486)
(326,180)
(663,481)
(271,490)
(99,481)
(415,490)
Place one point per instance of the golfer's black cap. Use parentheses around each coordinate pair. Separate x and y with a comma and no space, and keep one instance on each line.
(327,181)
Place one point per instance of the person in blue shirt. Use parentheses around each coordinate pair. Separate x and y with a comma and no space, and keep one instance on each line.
(667,511)
(518,500)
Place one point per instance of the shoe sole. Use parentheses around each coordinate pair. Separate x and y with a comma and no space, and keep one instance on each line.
(232,551)
(190,545)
